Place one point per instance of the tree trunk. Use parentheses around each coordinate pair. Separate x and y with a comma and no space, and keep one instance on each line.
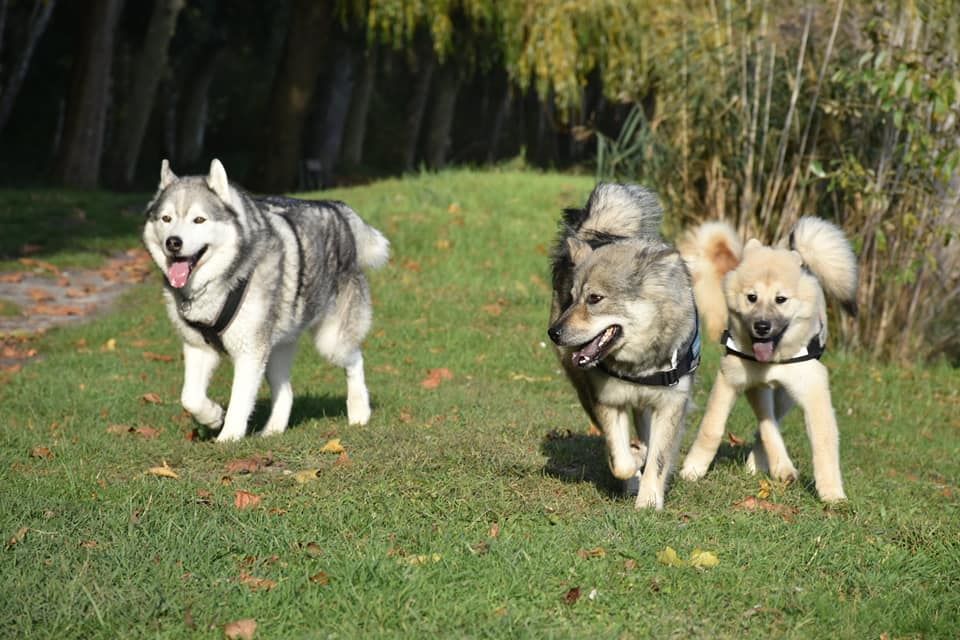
(417,107)
(37,24)
(278,161)
(78,160)
(193,107)
(441,116)
(501,115)
(330,116)
(148,69)
(356,127)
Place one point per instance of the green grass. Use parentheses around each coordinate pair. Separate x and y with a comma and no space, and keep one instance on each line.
(404,529)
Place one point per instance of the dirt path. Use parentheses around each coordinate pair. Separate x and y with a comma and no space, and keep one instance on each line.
(47,296)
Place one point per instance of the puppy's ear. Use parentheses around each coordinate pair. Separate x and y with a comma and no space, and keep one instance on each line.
(752,243)
(579,250)
(797,258)
(217,180)
(166,175)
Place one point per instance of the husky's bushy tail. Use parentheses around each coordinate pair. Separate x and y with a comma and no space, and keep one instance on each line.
(828,255)
(373,248)
(710,251)
(615,212)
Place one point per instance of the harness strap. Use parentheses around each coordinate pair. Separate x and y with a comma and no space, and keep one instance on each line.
(212,332)
(686,365)
(813,350)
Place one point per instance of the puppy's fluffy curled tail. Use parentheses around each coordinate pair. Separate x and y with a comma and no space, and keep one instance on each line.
(827,254)
(373,248)
(710,251)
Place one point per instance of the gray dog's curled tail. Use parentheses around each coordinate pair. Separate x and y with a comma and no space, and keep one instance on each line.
(373,248)
(827,254)
(616,211)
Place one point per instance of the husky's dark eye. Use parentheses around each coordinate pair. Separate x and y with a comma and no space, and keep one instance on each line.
(751,298)
(166,218)
(594,298)
(199,220)
(780,299)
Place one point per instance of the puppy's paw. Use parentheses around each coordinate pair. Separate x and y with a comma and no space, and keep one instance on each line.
(692,470)
(649,499)
(784,471)
(832,495)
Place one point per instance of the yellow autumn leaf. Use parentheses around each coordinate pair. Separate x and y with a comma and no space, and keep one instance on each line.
(764,492)
(333,446)
(307,475)
(669,557)
(703,559)
(422,559)
(163,471)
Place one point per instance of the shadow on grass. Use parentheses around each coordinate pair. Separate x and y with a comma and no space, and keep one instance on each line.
(579,458)
(305,408)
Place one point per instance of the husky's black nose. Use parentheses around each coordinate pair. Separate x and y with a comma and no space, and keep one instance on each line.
(174,244)
(761,327)
(554,332)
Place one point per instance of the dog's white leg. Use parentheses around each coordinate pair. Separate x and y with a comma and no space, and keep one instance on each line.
(358,400)
(198,367)
(247,375)
(722,397)
(810,388)
(666,430)
(769,452)
(281,391)
(615,424)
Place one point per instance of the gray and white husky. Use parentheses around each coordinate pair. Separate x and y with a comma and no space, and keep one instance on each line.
(245,276)
(626,329)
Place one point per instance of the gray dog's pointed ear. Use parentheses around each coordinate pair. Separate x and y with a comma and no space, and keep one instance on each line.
(217,180)
(579,250)
(166,175)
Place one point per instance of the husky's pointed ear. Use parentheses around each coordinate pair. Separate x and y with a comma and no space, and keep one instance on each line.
(167,176)
(217,180)
(579,250)
(752,244)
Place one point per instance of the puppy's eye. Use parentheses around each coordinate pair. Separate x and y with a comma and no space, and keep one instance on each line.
(199,220)
(780,299)
(166,218)
(751,297)
(594,298)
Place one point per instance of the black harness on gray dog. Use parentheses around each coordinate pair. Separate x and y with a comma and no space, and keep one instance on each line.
(212,332)
(681,367)
(813,350)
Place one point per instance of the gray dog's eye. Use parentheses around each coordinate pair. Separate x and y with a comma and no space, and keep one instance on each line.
(594,298)
(166,218)
(199,220)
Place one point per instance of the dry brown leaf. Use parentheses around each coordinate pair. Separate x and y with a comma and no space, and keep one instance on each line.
(598,552)
(752,503)
(249,465)
(11,278)
(18,537)
(494,309)
(240,629)
(572,595)
(157,357)
(41,452)
(343,460)
(56,310)
(147,433)
(151,398)
(89,544)
(320,578)
(39,295)
(163,471)
(257,584)
(313,549)
(435,377)
(245,500)
(332,446)
(734,440)
(494,530)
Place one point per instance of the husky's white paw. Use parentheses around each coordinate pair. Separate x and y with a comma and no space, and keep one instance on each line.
(649,499)
(358,411)
(230,435)
(272,430)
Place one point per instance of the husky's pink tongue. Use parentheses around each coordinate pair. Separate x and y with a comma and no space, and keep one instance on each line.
(763,351)
(178,273)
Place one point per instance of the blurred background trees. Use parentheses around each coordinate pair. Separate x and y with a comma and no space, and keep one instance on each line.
(756,112)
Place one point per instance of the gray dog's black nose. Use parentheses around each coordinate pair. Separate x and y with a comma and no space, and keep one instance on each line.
(761,327)
(554,333)
(174,244)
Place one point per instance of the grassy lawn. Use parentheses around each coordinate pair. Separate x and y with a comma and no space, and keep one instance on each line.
(477,508)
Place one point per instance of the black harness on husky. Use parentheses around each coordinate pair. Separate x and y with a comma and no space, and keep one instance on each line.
(813,351)
(212,332)
(682,366)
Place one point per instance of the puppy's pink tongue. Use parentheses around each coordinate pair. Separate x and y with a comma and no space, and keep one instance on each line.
(178,273)
(763,351)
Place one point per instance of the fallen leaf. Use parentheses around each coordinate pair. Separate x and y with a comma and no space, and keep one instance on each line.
(630,564)
(669,557)
(734,440)
(343,460)
(598,552)
(332,446)
(422,559)
(11,278)
(163,471)
(119,429)
(494,309)
(89,544)
(109,345)
(157,357)
(454,207)
(151,398)
(320,578)
(148,433)
(257,584)
(703,559)
(17,537)
(240,629)
(752,503)
(245,500)
(764,491)
(494,530)
(572,595)
(435,377)
(249,465)
(39,295)
(56,310)
(41,452)
(307,475)
(313,549)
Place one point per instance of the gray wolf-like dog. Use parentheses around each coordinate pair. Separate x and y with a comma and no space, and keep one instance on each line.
(626,331)
(244,276)
(775,315)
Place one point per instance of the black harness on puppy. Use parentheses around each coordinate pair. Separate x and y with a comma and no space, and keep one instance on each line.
(813,350)
(212,332)
(683,365)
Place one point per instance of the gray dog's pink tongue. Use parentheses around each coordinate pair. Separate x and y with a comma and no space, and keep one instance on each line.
(763,351)
(588,354)
(178,273)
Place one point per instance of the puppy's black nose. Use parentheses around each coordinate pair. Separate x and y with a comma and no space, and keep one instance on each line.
(554,333)
(174,244)
(761,327)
